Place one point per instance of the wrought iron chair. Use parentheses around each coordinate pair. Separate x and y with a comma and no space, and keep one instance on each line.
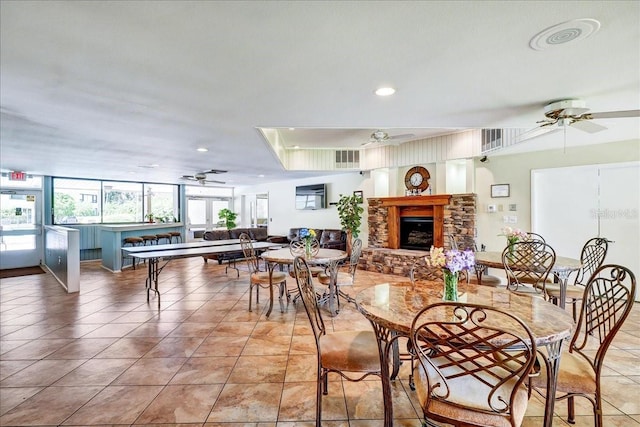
(592,256)
(345,278)
(607,301)
(262,279)
(473,366)
(529,263)
(531,237)
(354,355)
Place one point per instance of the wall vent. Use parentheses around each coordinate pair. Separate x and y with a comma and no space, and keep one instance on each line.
(491,140)
(347,159)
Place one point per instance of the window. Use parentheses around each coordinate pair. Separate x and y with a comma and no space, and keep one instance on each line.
(73,201)
(81,201)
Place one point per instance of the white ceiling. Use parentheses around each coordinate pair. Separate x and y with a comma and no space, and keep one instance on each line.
(98,89)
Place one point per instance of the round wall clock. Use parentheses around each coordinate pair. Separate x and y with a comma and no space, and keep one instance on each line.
(417,178)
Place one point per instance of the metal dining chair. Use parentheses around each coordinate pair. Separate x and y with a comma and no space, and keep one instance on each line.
(354,355)
(345,278)
(473,365)
(261,279)
(592,257)
(607,302)
(528,266)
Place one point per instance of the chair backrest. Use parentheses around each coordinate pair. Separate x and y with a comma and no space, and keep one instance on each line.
(459,343)
(529,262)
(249,253)
(592,256)
(452,241)
(422,270)
(608,299)
(534,237)
(309,298)
(298,247)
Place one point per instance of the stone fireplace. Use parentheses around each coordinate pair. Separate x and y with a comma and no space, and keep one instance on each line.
(403,229)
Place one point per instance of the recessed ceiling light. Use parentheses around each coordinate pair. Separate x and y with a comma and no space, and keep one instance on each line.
(570,31)
(385,91)
(260,176)
(202,149)
(292,128)
(295,147)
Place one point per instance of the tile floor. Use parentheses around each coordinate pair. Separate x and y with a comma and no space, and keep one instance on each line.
(106,357)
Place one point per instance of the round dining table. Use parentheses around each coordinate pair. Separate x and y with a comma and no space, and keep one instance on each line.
(562,268)
(391,308)
(330,258)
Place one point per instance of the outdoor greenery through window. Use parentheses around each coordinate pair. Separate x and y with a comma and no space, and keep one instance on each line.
(80,201)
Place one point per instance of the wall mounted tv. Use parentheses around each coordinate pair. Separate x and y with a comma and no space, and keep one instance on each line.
(309,197)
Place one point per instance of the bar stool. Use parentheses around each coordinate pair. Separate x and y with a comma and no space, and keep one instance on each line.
(149,239)
(176,235)
(161,236)
(131,241)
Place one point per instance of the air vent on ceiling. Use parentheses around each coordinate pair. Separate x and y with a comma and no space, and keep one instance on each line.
(347,159)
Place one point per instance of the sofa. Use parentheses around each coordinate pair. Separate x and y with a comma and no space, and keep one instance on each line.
(258,234)
(328,238)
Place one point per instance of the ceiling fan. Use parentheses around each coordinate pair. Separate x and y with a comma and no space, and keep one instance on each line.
(201,177)
(573,112)
(380,137)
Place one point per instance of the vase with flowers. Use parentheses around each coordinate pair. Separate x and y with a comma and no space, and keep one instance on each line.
(513,235)
(452,263)
(307,235)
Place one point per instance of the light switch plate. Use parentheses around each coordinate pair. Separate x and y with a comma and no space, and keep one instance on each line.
(491,208)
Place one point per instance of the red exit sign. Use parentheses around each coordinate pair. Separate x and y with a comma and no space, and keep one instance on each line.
(18,176)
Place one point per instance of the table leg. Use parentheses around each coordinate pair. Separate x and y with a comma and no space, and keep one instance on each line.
(563,278)
(552,362)
(333,287)
(479,271)
(154,270)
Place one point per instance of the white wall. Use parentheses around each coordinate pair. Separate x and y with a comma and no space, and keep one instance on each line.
(515,170)
(282,212)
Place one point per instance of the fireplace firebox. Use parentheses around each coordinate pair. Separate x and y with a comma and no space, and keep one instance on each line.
(416,233)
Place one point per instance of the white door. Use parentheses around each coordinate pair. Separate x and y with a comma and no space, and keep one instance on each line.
(20,229)
(202,214)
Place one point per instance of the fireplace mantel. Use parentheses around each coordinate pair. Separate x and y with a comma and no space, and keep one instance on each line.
(415,206)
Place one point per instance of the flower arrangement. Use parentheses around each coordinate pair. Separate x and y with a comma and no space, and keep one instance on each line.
(452,262)
(307,235)
(513,234)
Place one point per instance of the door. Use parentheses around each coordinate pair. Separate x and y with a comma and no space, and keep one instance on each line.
(202,215)
(20,228)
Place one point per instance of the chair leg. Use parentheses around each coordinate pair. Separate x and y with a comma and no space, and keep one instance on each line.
(251,295)
(571,410)
(319,393)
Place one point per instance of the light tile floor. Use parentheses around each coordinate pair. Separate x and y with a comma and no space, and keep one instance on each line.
(106,357)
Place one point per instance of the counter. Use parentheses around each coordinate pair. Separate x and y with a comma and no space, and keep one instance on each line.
(113,234)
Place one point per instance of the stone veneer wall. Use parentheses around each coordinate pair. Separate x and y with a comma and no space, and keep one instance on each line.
(459,221)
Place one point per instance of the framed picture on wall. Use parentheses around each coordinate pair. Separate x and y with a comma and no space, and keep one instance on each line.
(500,190)
(359,195)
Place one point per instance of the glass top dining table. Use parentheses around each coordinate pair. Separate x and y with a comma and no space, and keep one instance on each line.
(391,307)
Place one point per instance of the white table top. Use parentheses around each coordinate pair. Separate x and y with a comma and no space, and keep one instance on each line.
(171,246)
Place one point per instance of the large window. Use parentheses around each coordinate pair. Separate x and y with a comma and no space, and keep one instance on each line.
(81,201)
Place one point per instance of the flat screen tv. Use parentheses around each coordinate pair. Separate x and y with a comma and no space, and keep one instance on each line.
(310,197)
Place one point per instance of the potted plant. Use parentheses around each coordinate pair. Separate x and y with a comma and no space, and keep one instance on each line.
(350,212)
(228,217)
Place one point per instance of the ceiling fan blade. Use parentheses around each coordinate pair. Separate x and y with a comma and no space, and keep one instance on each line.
(403,136)
(188,177)
(588,126)
(214,171)
(537,131)
(612,114)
